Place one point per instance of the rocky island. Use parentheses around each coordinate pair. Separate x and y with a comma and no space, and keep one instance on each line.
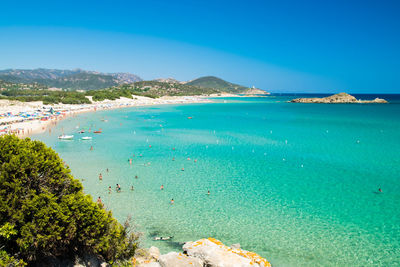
(342,98)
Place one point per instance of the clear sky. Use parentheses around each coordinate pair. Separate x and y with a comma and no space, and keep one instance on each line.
(279,46)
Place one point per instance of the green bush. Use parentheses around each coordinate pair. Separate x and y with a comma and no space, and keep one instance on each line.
(44,212)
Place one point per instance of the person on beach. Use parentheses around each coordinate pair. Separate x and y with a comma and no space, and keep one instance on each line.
(109,189)
(162,187)
(100,177)
(99,201)
(172,201)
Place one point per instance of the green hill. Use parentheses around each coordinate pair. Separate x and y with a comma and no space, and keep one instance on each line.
(217,83)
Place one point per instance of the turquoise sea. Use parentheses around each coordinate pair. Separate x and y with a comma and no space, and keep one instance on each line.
(296,183)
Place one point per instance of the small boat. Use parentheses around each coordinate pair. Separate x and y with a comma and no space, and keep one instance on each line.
(86,138)
(81,131)
(65,137)
(98,131)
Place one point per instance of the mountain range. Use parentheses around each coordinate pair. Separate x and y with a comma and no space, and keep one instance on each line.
(68,79)
(78,79)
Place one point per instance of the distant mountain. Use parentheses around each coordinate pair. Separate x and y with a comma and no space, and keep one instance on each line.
(217,83)
(68,79)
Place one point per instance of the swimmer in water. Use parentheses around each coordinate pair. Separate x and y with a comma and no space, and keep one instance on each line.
(208,193)
(132,188)
(136,177)
(109,189)
(380,190)
(99,201)
(130,161)
(100,177)
(118,188)
(91,147)
(188,158)
(162,187)
(182,169)
(172,201)
(173,159)
(107,169)
(195,160)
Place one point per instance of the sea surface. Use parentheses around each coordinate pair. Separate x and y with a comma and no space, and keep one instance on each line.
(296,183)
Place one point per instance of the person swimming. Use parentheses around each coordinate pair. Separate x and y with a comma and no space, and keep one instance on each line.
(182,169)
(208,193)
(162,187)
(136,177)
(380,190)
(99,201)
(109,189)
(91,147)
(162,238)
(173,159)
(172,201)
(118,188)
(132,188)
(107,169)
(100,177)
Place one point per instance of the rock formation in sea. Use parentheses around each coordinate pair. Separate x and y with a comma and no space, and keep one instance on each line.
(342,98)
(204,252)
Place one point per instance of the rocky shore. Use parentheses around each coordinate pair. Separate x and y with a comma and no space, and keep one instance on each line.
(208,252)
(342,98)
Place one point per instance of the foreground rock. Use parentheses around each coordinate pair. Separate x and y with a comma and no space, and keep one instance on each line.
(215,254)
(204,252)
(342,98)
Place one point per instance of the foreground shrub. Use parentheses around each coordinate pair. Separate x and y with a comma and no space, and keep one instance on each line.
(44,212)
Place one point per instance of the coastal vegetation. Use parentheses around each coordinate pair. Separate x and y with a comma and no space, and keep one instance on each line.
(47,96)
(44,212)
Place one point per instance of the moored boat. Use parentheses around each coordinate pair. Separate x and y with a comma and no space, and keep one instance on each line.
(65,137)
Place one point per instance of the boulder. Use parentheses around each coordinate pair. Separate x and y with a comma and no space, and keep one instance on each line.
(215,254)
(174,259)
(151,264)
(154,253)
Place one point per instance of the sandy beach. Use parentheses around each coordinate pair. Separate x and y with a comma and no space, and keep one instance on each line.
(26,118)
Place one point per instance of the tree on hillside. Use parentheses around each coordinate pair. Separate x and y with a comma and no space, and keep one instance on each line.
(44,212)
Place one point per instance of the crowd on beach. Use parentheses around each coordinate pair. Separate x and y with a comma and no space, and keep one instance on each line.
(25,118)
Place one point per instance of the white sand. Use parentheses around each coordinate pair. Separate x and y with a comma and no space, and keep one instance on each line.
(36,125)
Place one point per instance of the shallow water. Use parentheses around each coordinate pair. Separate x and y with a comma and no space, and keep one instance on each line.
(296,183)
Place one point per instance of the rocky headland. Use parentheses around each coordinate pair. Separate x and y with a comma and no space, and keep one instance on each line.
(208,252)
(342,98)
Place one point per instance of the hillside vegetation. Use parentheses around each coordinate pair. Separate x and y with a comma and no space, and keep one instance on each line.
(45,214)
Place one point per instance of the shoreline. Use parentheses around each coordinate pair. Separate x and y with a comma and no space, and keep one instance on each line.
(26,118)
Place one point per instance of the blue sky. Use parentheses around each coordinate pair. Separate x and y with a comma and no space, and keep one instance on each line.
(280,46)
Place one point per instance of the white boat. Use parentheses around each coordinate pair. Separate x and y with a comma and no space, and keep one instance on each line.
(86,138)
(66,137)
